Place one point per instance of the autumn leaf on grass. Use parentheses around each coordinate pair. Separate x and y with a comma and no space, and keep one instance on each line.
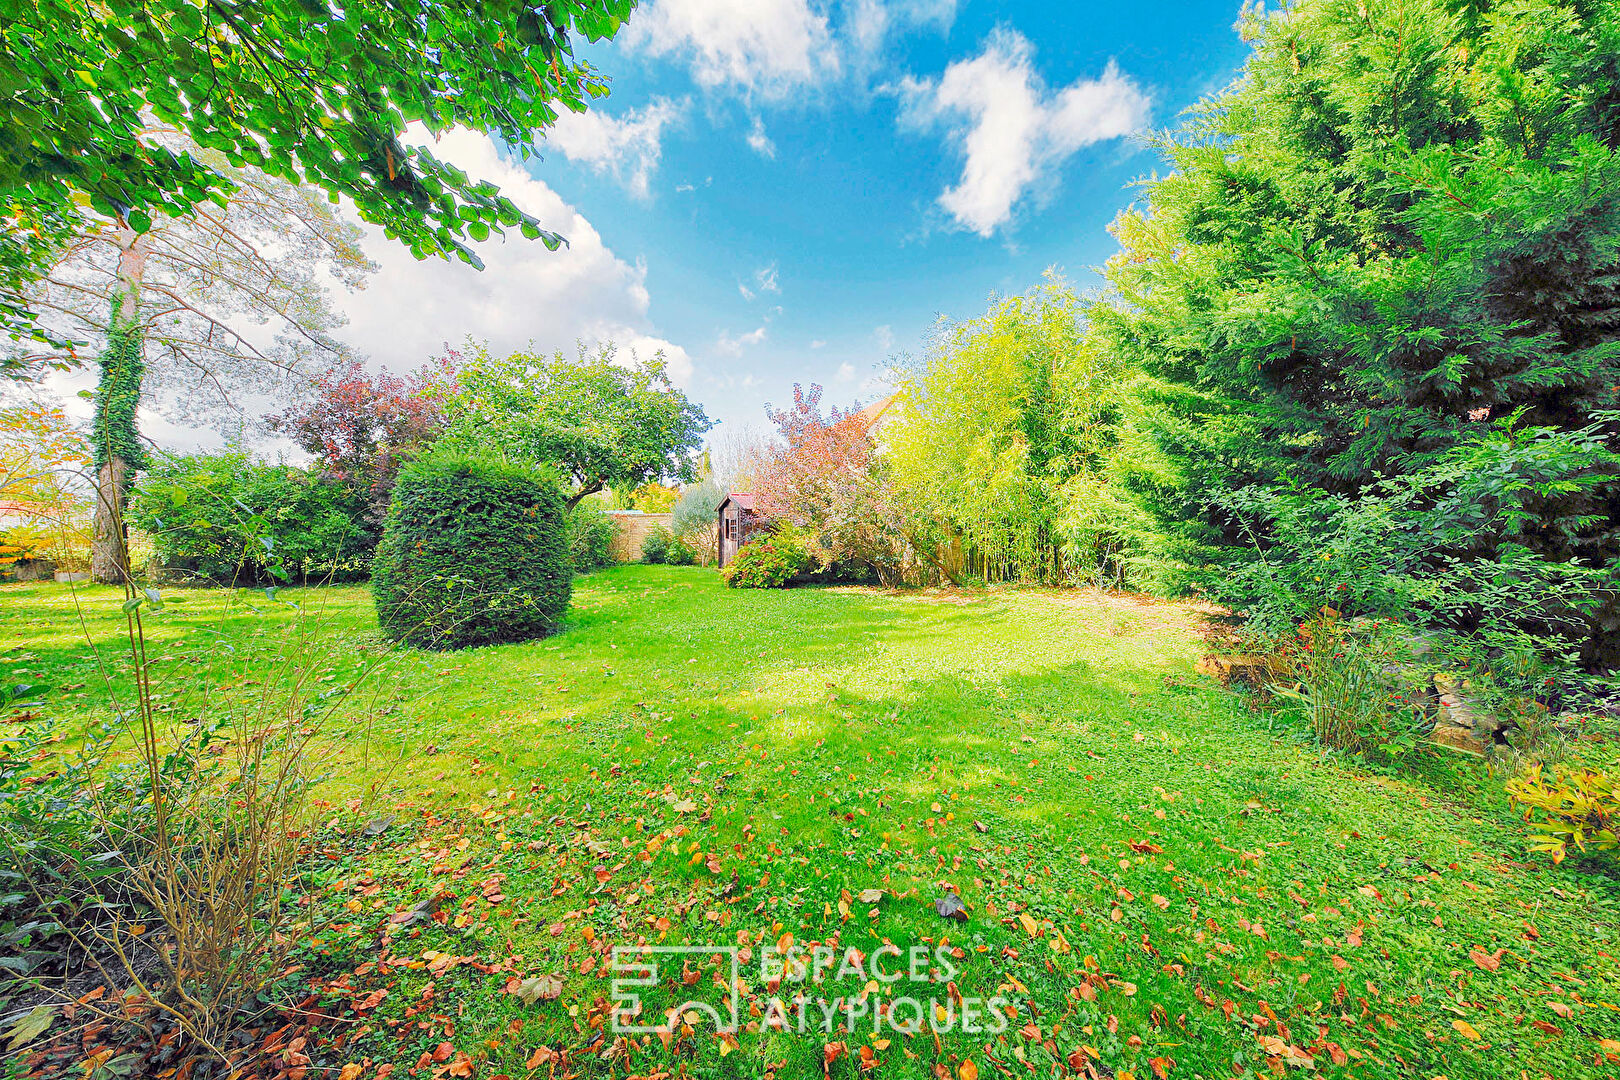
(685,806)
(870,896)
(950,906)
(1466,1030)
(967,1071)
(536,988)
(1291,1055)
(1031,927)
(831,1053)
(1486,961)
(351,1071)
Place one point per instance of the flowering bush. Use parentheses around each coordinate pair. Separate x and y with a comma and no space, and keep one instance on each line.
(769,562)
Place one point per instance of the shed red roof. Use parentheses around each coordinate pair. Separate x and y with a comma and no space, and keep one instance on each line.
(744,499)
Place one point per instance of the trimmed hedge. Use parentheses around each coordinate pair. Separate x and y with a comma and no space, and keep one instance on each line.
(474,552)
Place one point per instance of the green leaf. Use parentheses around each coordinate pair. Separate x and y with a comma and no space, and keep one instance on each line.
(30,1027)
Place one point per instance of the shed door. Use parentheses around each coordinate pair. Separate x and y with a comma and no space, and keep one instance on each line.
(728,535)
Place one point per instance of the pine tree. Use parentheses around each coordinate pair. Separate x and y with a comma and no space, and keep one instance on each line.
(1401,223)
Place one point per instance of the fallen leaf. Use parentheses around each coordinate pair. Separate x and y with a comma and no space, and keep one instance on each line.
(1466,1030)
(34,1024)
(950,906)
(870,896)
(831,1053)
(967,1070)
(535,988)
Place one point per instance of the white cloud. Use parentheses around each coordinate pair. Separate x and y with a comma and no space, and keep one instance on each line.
(760,142)
(1010,129)
(734,346)
(584,291)
(628,147)
(764,47)
(765,281)
(818,344)
(870,22)
(885,338)
(846,372)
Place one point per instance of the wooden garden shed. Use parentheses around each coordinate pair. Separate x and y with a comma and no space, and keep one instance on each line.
(739,521)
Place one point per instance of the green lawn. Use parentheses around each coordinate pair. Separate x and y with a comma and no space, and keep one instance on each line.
(1156,877)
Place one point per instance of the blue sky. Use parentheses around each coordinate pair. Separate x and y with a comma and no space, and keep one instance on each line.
(793,190)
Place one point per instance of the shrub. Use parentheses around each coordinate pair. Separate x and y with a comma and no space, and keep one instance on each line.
(769,562)
(229,518)
(1446,547)
(1349,687)
(590,537)
(655,545)
(474,552)
(680,553)
(1578,807)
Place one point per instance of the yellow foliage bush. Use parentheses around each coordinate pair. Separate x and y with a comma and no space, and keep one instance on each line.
(1578,808)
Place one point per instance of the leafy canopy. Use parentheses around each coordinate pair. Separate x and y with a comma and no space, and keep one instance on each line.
(603,422)
(310,91)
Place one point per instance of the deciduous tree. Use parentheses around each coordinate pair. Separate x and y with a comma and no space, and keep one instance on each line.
(826,477)
(222,301)
(362,427)
(309,91)
(602,421)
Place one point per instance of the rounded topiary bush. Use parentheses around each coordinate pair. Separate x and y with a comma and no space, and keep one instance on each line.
(474,552)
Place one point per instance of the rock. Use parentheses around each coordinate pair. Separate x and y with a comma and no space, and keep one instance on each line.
(1461,739)
(1253,671)
(1462,723)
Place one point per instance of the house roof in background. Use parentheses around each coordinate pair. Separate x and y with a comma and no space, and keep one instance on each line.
(875,413)
(744,499)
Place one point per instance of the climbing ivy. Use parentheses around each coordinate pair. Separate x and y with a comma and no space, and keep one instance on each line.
(118,394)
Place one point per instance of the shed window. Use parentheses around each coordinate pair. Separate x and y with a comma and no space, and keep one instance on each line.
(731,527)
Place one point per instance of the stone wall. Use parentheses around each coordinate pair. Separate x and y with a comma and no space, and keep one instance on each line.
(630,528)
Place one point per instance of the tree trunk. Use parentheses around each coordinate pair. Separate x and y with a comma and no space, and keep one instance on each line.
(109,539)
(117,398)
